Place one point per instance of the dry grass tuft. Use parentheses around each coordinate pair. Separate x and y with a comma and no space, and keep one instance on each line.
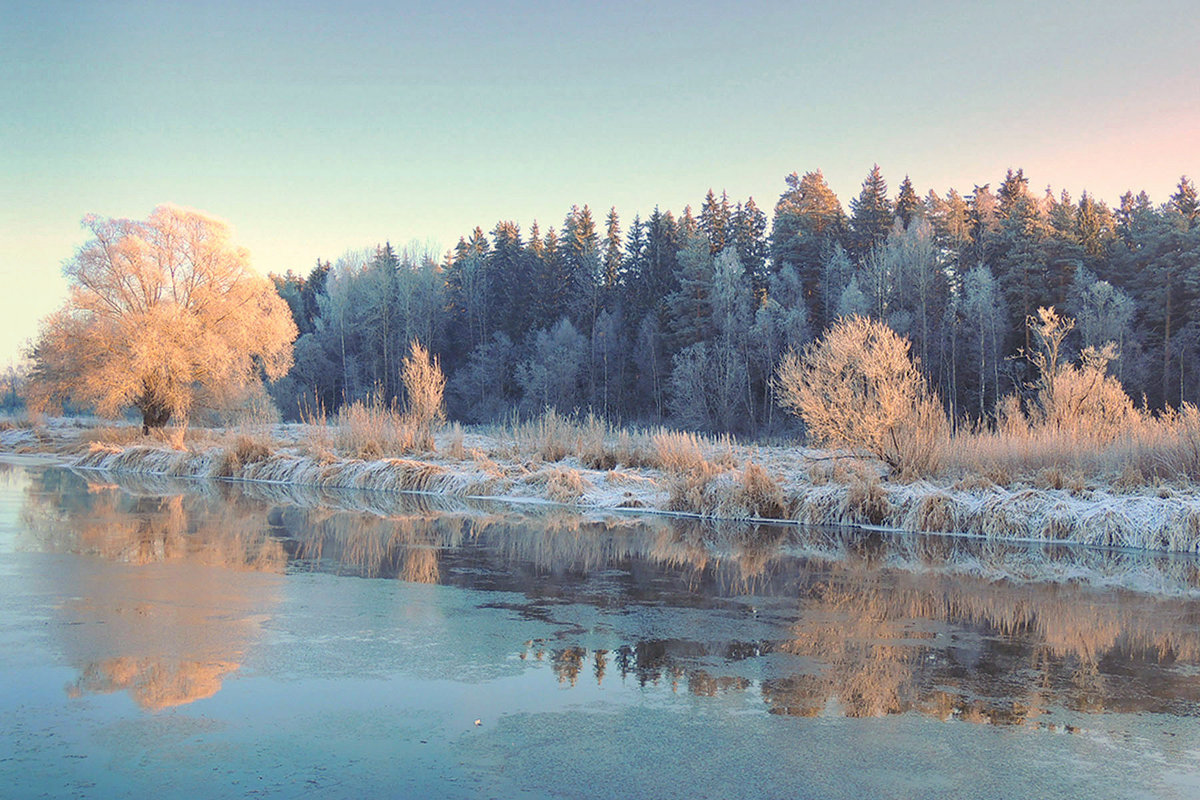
(112,435)
(592,444)
(372,430)
(562,484)
(689,491)
(551,436)
(972,482)
(760,494)
(633,449)
(245,450)
(936,511)
(680,451)
(866,499)
(1144,450)
(455,447)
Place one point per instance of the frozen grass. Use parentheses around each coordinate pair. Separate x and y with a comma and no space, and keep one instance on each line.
(1146,451)
(1026,483)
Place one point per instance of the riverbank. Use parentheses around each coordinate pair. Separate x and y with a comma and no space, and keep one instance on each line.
(586,466)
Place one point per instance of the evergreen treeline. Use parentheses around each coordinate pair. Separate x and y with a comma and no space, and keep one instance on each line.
(684,318)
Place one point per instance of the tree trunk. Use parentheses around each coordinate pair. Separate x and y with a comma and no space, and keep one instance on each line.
(154,415)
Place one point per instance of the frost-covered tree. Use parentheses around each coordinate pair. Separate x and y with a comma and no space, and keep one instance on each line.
(913,258)
(164,315)
(853,301)
(690,305)
(837,270)
(550,377)
(692,405)
(651,364)
(732,309)
(482,389)
(1103,313)
(982,310)
(780,324)
(608,349)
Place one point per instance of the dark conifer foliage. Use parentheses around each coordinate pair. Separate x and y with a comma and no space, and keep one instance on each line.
(907,203)
(682,318)
(871,216)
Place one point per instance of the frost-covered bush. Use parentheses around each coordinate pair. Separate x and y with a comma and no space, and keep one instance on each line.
(857,387)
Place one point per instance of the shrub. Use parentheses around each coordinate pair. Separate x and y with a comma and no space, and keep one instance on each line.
(425,387)
(856,387)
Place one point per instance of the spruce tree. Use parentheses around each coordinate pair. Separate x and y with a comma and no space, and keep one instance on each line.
(870,216)
(908,205)
(715,221)
(750,238)
(689,306)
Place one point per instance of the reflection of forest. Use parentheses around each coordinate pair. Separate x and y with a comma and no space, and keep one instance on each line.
(885,643)
(862,624)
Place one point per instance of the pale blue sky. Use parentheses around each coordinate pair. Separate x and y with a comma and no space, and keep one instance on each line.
(316,128)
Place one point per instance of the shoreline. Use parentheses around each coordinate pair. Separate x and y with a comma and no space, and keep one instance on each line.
(755,485)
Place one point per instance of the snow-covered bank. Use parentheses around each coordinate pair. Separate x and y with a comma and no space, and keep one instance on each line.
(771,483)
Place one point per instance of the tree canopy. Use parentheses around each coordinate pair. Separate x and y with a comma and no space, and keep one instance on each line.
(163,315)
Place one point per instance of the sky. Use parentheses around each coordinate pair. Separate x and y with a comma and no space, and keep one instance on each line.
(317,128)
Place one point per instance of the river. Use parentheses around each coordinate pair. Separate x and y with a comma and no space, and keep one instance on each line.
(163,638)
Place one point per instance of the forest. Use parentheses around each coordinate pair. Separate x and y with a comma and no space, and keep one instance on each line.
(682,318)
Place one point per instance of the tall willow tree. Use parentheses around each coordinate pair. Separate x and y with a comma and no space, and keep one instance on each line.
(164,315)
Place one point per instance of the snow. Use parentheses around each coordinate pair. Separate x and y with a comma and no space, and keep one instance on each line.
(495,468)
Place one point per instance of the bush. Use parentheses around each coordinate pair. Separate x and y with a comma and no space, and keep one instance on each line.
(856,387)
(425,386)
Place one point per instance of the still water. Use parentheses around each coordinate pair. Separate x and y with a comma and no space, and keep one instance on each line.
(169,639)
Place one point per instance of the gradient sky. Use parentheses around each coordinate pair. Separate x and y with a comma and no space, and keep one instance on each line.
(317,127)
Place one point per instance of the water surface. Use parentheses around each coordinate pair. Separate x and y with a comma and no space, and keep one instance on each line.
(224,640)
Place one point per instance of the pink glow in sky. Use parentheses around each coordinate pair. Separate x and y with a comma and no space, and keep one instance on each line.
(316,129)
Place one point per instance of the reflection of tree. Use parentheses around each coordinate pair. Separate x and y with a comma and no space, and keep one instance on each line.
(870,641)
(104,521)
(165,610)
(153,683)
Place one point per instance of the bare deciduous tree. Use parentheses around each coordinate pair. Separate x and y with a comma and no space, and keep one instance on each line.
(164,315)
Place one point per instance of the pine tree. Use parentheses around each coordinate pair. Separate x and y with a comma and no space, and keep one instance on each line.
(750,239)
(908,205)
(1184,202)
(870,216)
(690,305)
(549,300)
(663,240)
(510,267)
(1095,226)
(1020,260)
(613,260)
(985,226)
(1064,254)
(633,268)
(715,221)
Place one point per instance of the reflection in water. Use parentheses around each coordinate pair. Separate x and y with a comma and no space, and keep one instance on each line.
(151,617)
(812,621)
(153,683)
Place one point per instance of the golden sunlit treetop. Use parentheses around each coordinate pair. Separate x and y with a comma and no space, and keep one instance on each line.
(164,315)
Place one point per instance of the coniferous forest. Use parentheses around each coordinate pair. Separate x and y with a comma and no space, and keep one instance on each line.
(682,317)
